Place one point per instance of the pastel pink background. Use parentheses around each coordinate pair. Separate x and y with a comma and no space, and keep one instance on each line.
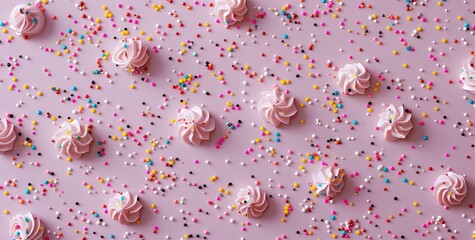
(69,189)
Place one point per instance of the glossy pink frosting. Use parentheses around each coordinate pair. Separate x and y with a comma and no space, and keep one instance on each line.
(395,122)
(26,227)
(130,54)
(276,107)
(450,189)
(329,180)
(468,75)
(72,139)
(251,202)
(353,79)
(7,135)
(194,125)
(124,208)
(27,20)
(230,11)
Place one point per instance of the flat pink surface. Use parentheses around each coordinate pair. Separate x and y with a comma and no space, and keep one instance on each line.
(338,37)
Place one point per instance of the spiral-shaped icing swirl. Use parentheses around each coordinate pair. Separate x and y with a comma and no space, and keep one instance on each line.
(194,125)
(328,180)
(230,11)
(251,202)
(72,139)
(124,208)
(26,227)
(276,107)
(468,75)
(353,78)
(27,20)
(7,135)
(395,122)
(130,54)
(450,189)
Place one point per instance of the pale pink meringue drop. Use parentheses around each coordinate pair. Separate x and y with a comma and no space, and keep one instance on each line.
(124,208)
(395,122)
(328,180)
(7,135)
(450,189)
(130,54)
(194,125)
(27,20)
(276,107)
(468,75)
(251,202)
(26,227)
(230,11)
(353,79)
(72,139)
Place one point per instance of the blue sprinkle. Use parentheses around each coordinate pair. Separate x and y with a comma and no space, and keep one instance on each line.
(38,112)
(355,122)
(332,217)
(167,141)
(74,88)
(285,36)
(404,180)
(386,180)
(470,101)
(277,139)
(150,163)
(27,191)
(425,138)
(70,30)
(385,169)
(339,105)
(277,134)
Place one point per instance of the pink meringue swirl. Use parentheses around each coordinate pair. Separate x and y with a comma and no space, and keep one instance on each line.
(230,11)
(251,202)
(27,20)
(468,75)
(26,227)
(7,135)
(395,122)
(72,139)
(450,189)
(124,208)
(353,78)
(130,54)
(328,180)
(276,107)
(194,125)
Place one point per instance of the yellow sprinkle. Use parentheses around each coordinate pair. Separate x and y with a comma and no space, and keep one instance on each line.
(6,212)
(395,52)
(415,204)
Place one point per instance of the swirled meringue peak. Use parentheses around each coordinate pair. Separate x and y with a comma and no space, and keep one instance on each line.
(72,139)
(395,122)
(26,227)
(130,54)
(276,107)
(27,20)
(468,75)
(353,78)
(7,135)
(230,11)
(124,208)
(251,202)
(450,189)
(194,125)
(328,180)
